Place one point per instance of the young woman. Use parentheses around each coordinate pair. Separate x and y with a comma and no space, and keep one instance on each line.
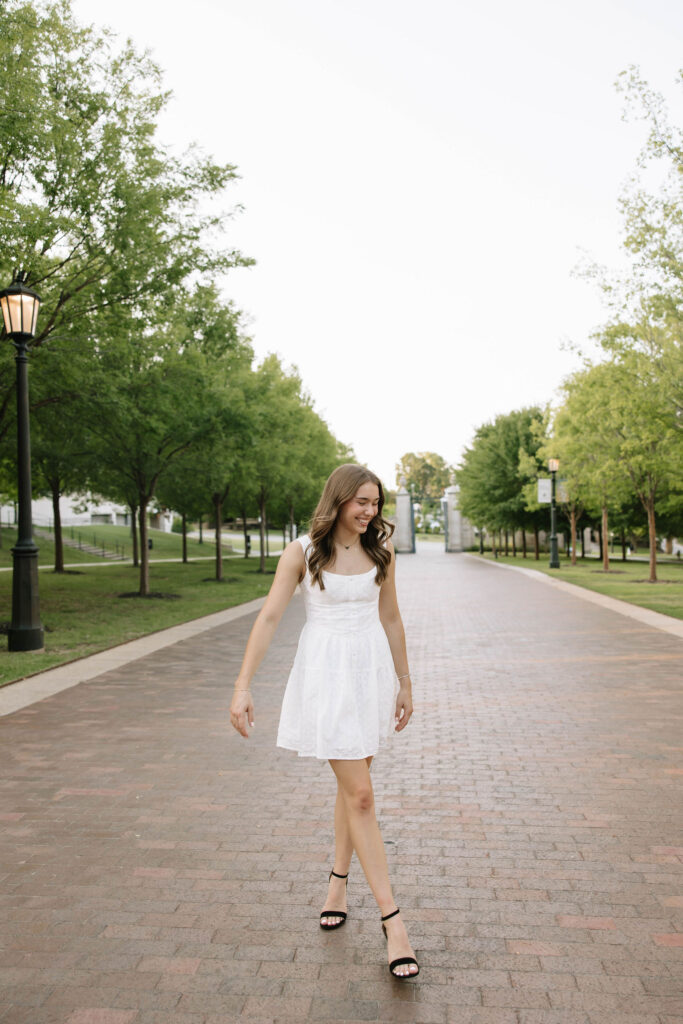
(349,688)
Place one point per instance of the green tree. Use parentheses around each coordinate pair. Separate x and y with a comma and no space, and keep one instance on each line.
(151,398)
(585,439)
(61,460)
(275,397)
(182,489)
(312,455)
(649,439)
(618,436)
(427,472)
(495,471)
(91,204)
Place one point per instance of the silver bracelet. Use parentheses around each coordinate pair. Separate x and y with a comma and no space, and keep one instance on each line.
(404,677)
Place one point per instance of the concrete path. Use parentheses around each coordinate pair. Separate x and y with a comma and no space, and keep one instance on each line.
(157,868)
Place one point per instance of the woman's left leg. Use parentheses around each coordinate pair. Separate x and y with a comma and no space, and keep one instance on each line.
(343,851)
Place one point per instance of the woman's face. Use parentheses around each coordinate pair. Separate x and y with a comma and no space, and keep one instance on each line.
(356,513)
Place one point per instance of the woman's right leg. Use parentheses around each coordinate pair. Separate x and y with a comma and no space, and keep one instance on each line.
(343,852)
(356,789)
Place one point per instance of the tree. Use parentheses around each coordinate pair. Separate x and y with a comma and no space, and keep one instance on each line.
(649,442)
(495,470)
(215,327)
(275,396)
(313,454)
(586,441)
(183,489)
(617,434)
(428,473)
(61,461)
(151,398)
(100,214)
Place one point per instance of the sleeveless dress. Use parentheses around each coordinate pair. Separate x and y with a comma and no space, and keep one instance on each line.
(340,698)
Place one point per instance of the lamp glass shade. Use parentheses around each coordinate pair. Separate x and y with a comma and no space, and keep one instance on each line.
(553,465)
(20,307)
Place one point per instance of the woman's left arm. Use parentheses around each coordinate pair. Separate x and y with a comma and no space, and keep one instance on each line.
(390,618)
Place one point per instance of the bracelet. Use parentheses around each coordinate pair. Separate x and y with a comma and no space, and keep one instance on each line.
(405,676)
(242,689)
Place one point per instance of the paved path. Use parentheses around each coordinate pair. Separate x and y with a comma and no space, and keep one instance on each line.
(157,868)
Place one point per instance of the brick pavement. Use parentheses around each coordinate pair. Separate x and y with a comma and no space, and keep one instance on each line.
(157,868)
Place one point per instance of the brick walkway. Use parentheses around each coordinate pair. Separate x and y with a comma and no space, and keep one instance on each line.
(157,868)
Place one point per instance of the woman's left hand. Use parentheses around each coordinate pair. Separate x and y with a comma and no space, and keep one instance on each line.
(404,702)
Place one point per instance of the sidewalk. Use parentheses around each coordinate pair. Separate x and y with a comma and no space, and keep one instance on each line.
(157,868)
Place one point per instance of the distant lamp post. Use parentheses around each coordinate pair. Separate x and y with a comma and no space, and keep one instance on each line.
(20,307)
(553,466)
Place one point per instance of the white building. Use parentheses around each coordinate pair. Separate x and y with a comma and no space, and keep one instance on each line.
(78,511)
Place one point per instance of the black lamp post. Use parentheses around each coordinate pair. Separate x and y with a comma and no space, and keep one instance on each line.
(553,466)
(20,307)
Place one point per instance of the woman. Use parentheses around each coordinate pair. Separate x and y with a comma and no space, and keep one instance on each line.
(349,687)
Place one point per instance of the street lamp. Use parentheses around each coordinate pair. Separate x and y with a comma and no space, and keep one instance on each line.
(20,307)
(553,466)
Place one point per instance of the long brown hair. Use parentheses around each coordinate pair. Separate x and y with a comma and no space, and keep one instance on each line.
(341,486)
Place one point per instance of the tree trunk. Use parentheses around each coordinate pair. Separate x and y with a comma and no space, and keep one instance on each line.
(514,545)
(652,533)
(291,521)
(144,550)
(267,539)
(184,521)
(217,500)
(201,529)
(537,546)
(494,550)
(57,529)
(604,533)
(246,534)
(623,545)
(523,542)
(262,527)
(572,528)
(134,534)
(507,549)
(583,542)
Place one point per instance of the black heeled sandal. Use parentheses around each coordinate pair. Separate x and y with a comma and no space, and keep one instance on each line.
(401,959)
(334,913)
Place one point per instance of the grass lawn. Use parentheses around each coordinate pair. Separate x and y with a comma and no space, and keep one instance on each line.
(627,581)
(83,612)
(46,550)
(164,545)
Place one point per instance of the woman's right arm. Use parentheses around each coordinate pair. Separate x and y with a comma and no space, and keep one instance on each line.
(287,575)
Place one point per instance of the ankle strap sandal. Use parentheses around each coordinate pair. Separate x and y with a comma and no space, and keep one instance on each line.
(334,913)
(401,959)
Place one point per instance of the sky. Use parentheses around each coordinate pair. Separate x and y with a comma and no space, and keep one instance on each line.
(418,184)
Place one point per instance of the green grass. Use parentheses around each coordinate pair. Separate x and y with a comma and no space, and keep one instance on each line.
(83,612)
(46,550)
(627,581)
(165,545)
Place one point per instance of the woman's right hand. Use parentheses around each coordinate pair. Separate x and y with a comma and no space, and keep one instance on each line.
(242,711)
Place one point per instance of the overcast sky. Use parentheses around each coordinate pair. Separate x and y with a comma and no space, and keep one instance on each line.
(418,182)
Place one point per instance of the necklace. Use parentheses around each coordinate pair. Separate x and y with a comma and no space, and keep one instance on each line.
(347,546)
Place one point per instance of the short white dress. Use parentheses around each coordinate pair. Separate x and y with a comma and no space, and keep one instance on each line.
(340,698)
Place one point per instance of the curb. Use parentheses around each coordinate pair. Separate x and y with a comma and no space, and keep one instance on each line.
(23,692)
(656,619)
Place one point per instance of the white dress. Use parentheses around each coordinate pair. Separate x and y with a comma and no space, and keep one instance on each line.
(340,698)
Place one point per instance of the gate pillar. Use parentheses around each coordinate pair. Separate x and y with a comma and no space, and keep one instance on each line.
(404,534)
